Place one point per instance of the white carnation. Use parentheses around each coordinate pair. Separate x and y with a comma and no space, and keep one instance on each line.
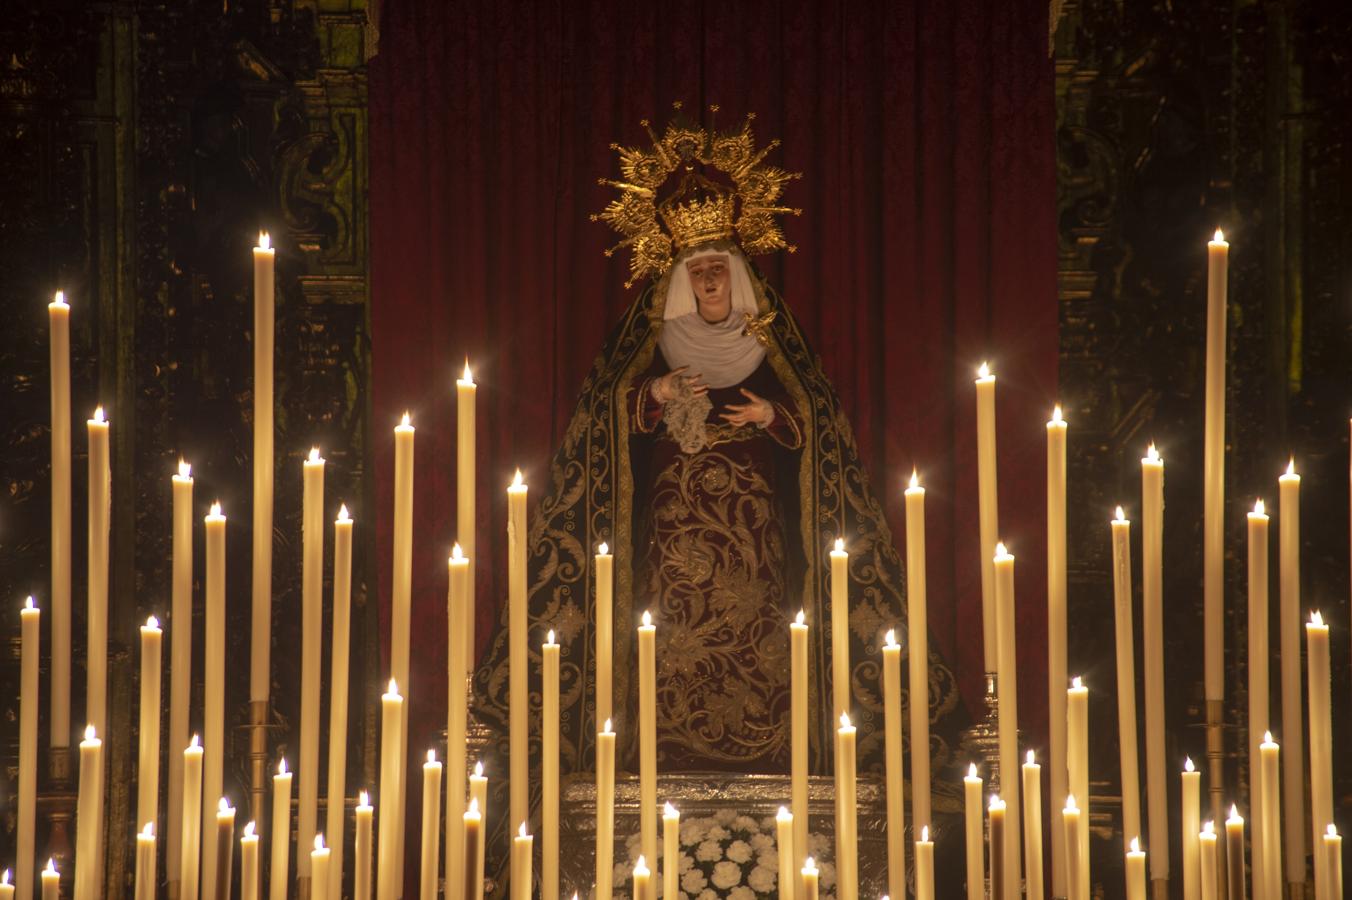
(739,851)
(761,880)
(828,875)
(693,881)
(709,851)
(692,832)
(761,842)
(725,816)
(726,875)
(742,893)
(746,823)
(707,894)
(717,833)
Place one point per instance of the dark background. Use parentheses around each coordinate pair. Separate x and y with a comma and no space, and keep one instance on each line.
(440,209)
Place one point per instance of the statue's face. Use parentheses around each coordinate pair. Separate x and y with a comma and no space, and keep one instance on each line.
(711,279)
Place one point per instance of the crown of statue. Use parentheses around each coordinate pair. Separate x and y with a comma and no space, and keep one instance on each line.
(700,210)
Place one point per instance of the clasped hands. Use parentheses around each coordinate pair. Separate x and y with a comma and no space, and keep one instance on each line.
(756,411)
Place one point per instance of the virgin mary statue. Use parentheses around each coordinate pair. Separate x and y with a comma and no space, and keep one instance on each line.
(710,452)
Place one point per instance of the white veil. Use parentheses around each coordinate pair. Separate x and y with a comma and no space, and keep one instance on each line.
(721,352)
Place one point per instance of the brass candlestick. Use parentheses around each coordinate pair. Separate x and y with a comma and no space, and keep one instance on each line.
(981,739)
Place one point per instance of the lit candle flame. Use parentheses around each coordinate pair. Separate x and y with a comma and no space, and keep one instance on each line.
(971,770)
(456,552)
(840,545)
(603,550)
(845,720)
(152,622)
(801,619)
(249,830)
(479,766)
(314,455)
(197,742)
(516,480)
(1234,814)
(890,639)
(223,806)
(523,833)
(59,299)
(394,689)
(1332,830)
(549,639)
(1317,619)
(1056,415)
(184,469)
(342,513)
(1030,760)
(431,756)
(996,802)
(404,421)
(1151,453)
(467,378)
(924,834)
(281,766)
(1000,549)
(4,879)
(89,733)
(1267,737)
(784,813)
(1291,466)
(363,799)
(641,865)
(669,810)
(1219,237)
(28,604)
(1121,515)
(1258,508)
(264,241)
(216,508)
(1077,682)
(1188,766)
(1135,845)
(98,414)
(810,864)
(915,479)
(984,370)
(319,842)
(1070,802)
(647,619)
(474,805)
(51,867)
(1209,828)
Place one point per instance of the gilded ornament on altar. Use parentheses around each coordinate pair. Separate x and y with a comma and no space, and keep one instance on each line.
(700,210)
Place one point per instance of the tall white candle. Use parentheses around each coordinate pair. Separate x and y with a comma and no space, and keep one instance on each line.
(1008,687)
(320,859)
(520,884)
(465,494)
(1321,741)
(999,872)
(361,848)
(647,736)
(1269,821)
(988,507)
(517,619)
(549,771)
(605,810)
(248,863)
(89,819)
(144,887)
(401,605)
(458,603)
(180,663)
(1293,732)
(671,850)
(190,840)
(213,716)
(976,862)
(336,816)
(1259,650)
(798,750)
(311,654)
(1032,826)
(1126,676)
(260,638)
(784,843)
(1135,870)
(1209,862)
(1071,827)
(892,731)
(223,836)
(917,653)
(1056,631)
(1191,797)
(924,866)
(847,841)
(642,875)
(1152,624)
(51,882)
(809,879)
(840,630)
(148,759)
(100,511)
(281,833)
(431,827)
(1213,473)
(478,794)
(58,314)
(388,886)
(30,621)
(1077,772)
(1234,855)
(605,632)
(473,827)
(1333,860)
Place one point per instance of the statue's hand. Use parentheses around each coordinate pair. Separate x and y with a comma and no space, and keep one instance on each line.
(756,411)
(668,386)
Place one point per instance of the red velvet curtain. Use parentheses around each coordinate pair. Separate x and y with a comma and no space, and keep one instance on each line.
(924,131)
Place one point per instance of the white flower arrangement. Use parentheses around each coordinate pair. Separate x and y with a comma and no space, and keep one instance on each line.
(727,856)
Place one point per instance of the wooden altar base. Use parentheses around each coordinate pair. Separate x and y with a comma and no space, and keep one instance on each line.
(700,795)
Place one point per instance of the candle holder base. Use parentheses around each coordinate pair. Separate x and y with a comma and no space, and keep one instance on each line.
(981,740)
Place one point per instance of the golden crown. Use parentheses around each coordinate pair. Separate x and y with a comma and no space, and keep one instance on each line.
(699,210)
